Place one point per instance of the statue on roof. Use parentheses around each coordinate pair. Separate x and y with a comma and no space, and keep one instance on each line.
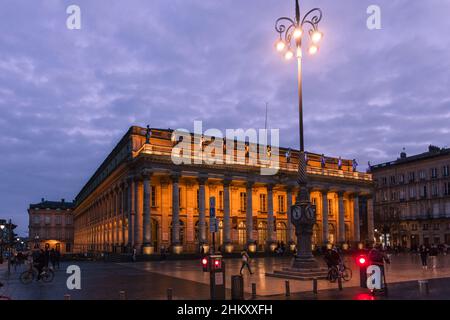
(148,134)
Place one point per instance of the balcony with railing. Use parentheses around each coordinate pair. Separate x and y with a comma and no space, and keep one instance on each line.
(271,160)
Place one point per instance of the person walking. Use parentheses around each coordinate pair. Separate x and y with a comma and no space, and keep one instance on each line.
(245,261)
(133,257)
(433,255)
(423,251)
(53,258)
(57,257)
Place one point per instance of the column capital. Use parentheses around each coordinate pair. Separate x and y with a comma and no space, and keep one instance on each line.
(175,176)
(340,193)
(146,173)
(270,186)
(227,180)
(249,184)
(202,178)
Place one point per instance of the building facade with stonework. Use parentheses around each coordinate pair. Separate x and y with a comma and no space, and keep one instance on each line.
(412,199)
(140,198)
(51,225)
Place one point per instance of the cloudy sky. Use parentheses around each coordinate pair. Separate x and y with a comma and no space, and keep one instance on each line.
(68,96)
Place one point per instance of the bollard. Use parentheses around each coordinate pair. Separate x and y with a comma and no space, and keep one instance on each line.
(169,294)
(253,290)
(122,295)
(237,288)
(315,285)
(423,287)
(67,297)
(288,289)
(340,283)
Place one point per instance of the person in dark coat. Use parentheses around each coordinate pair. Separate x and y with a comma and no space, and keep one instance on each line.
(53,258)
(46,257)
(39,262)
(57,258)
(424,256)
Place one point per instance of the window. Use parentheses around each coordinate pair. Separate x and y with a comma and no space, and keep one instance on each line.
(423,191)
(414,227)
(422,174)
(393,195)
(281,232)
(425,226)
(242,232)
(243,201)
(435,190)
(153,201)
(401,178)
(446,188)
(436,226)
(47,220)
(411,176)
(220,200)
(384,179)
(262,202)
(446,171)
(434,173)
(402,194)
(36,219)
(281,204)
(58,220)
(385,196)
(392,180)
(412,192)
(69,220)
(330,207)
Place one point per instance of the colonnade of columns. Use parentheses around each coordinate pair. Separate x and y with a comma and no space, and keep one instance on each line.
(112,222)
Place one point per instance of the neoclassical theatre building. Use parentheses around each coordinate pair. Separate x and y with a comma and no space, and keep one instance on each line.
(140,198)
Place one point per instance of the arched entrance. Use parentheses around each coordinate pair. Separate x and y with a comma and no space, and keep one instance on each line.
(331,233)
(181,232)
(262,234)
(242,233)
(281,232)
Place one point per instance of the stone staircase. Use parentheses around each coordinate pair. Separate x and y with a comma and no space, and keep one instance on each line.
(299,274)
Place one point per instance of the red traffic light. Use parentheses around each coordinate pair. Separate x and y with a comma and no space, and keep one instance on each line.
(362,260)
(204,261)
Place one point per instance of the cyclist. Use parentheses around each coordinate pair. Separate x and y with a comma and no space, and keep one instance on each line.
(333,258)
(39,263)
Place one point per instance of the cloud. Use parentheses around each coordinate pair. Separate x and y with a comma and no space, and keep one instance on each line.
(67,96)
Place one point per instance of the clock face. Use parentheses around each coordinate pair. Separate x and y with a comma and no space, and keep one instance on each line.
(296,213)
(310,212)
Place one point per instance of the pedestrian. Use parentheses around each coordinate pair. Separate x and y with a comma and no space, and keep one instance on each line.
(57,257)
(378,257)
(53,258)
(133,257)
(433,255)
(39,263)
(245,261)
(163,253)
(46,257)
(423,250)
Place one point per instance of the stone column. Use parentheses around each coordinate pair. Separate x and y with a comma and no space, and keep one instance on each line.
(176,245)
(341,217)
(325,217)
(123,216)
(226,215)
(201,209)
(356,233)
(131,212)
(137,215)
(370,223)
(117,219)
(147,246)
(249,214)
(270,220)
(290,229)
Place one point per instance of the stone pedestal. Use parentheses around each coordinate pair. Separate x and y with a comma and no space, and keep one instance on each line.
(148,249)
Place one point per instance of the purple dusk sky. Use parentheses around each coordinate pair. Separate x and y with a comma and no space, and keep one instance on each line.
(68,96)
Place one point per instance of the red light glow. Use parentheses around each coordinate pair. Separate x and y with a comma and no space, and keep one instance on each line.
(204,261)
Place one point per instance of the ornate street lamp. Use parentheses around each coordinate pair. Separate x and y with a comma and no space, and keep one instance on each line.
(303,213)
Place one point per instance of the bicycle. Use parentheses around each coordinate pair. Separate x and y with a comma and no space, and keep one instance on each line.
(29,275)
(342,272)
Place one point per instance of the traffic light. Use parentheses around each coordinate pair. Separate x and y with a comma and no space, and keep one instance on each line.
(217,264)
(205,264)
(363,263)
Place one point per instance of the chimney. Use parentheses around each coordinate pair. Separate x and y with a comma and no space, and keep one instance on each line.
(42,199)
(63,200)
(403,154)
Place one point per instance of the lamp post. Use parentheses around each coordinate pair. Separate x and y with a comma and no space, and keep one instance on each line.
(2,226)
(303,213)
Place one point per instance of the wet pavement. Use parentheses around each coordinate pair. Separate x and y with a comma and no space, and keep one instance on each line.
(150,280)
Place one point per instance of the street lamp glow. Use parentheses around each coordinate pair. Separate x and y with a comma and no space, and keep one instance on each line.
(2,226)
(297,33)
(313,50)
(280,45)
(316,36)
(289,55)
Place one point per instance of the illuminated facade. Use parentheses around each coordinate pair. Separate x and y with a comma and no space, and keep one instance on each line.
(51,225)
(139,198)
